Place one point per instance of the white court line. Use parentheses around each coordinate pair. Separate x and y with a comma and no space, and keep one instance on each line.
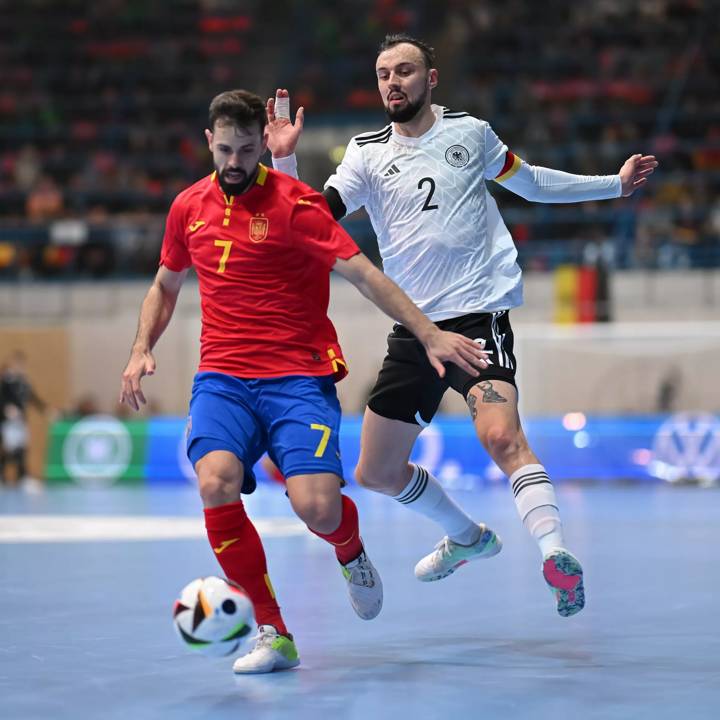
(78,528)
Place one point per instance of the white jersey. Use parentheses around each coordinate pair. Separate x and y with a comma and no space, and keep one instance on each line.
(439,230)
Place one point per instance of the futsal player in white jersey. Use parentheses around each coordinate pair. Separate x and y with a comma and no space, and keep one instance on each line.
(422,180)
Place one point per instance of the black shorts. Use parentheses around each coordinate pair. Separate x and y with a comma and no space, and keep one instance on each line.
(408,388)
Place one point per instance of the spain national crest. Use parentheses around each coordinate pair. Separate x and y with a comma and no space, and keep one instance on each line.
(258,228)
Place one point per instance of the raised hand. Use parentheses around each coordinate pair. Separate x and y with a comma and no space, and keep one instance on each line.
(635,171)
(283,134)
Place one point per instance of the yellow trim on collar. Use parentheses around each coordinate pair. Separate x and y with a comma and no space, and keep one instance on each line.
(262,174)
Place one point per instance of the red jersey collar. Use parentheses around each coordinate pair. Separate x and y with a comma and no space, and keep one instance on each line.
(259,180)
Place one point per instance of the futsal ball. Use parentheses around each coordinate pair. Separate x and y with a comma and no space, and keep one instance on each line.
(213,616)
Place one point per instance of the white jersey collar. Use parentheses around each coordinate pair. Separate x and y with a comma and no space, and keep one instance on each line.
(431,132)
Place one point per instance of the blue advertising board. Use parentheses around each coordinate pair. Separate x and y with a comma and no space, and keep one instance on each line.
(653,448)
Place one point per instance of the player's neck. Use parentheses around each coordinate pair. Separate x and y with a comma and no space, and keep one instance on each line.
(419,125)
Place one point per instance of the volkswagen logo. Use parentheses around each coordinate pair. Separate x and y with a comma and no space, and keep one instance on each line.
(687,447)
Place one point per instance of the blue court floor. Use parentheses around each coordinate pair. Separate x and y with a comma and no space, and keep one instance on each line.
(88,578)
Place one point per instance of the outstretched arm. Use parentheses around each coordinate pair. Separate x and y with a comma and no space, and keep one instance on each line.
(541,184)
(440,346)
(155,314)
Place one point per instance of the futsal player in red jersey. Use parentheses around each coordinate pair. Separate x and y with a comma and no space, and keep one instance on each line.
(263,245)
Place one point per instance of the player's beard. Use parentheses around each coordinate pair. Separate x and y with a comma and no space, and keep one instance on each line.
(236,188)
(409,111)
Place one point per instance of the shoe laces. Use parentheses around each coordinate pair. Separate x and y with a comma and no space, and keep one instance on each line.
(443,548)
(362,573)
(263,639)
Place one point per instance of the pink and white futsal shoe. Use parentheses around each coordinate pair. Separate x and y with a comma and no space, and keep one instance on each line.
(564,575)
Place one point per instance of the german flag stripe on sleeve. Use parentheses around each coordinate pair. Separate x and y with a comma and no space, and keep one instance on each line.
(511,166)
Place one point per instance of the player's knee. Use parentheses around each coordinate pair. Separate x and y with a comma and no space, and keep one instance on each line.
(374,477)
(218,488)
(501,441)
(319,513)
(220,478)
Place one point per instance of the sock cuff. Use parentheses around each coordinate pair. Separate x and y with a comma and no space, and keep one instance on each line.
(532,489)
(416,487)
(527,476)
(349,511)
(225,517)
(348,527)
(346,537)
(425,495)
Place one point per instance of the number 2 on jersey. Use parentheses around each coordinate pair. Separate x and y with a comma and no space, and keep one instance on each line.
(225,245)
(428,205)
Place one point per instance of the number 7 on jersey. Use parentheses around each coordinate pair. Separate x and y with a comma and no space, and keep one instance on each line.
(226,245)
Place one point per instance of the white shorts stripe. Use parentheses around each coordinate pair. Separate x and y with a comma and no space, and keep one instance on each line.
(502,360)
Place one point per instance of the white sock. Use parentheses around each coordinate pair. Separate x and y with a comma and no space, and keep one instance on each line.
(537,505)
(425,495)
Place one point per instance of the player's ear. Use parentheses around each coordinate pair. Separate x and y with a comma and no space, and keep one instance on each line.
(266,134)
(209,137)
(433,77)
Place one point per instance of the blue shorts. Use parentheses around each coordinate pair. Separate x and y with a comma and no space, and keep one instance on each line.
(295,419)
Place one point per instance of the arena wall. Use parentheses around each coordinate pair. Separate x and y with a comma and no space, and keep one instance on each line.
(658,350)
(49,368)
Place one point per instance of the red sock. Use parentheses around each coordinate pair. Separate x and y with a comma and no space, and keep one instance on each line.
(240,552)
(346,539)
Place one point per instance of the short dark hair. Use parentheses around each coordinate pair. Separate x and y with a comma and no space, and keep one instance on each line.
(399,38)
(237,107)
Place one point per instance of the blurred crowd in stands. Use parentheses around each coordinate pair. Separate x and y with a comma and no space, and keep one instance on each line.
(103,104)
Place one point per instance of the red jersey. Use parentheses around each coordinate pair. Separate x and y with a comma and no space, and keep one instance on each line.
(263,262)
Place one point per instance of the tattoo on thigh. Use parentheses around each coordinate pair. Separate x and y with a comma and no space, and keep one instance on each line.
(490,394)
(471,404)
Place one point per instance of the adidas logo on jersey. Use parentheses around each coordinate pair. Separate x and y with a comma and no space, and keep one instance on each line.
(394,170)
